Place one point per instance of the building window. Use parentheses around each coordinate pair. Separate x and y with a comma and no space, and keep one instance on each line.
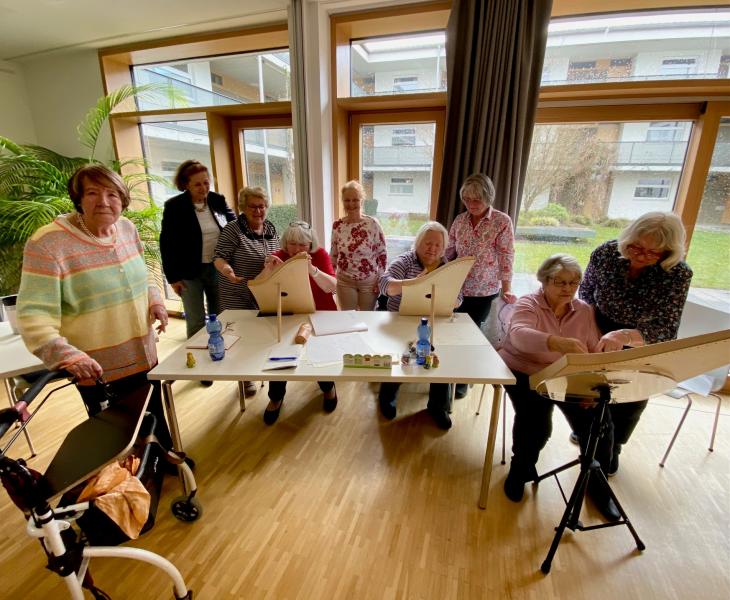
(398,64)
(404,137)
(401,185)
(653,188)
(666,131)
(678,68)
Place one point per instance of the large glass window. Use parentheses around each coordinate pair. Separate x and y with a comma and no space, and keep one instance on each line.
(166,145)
(268,156)
(639,46)
(586,181)
(396,167)
(709,253)
(221,80)
(398,65)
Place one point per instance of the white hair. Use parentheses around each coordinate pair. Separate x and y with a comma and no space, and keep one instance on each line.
(297,234)
(552,265)
(664,228)
(431,226)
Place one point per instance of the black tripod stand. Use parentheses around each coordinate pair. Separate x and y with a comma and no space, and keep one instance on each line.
(589,467)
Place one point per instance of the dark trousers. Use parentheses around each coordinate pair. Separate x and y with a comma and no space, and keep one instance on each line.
(533,426)
(477,307)
(94,395)
(277,389)
(439,395)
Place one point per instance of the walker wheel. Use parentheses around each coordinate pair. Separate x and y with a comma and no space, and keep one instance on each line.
(186,509)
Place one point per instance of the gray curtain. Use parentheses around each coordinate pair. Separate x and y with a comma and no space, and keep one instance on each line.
(494,55)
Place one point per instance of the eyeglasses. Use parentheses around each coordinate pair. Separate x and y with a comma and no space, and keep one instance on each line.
(256,207)
(636,250)
(302,224)
(561,283)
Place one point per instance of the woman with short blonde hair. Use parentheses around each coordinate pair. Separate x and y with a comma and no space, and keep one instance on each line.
(358,251)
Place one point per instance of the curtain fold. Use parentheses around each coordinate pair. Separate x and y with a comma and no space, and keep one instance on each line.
(494,55)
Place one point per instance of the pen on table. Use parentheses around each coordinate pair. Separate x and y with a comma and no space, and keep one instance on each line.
(282,358)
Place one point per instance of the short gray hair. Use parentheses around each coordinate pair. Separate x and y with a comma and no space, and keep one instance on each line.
(552,265)
(481,185)
(251,192)
(431,226)
(354,184)
(299,235)
(664,228)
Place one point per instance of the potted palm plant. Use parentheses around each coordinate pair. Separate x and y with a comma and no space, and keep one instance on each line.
(33,188)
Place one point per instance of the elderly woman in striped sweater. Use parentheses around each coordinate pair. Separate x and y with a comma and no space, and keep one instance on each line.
(84,303)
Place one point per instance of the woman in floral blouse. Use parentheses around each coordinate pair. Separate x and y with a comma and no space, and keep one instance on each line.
(486,234)
(638,285)
(358,252)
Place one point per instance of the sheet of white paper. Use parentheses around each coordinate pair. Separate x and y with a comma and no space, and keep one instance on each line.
(330,322)
(329,349)
(702,384)
(282,356)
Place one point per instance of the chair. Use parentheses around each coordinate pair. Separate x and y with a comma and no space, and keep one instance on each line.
(705,385)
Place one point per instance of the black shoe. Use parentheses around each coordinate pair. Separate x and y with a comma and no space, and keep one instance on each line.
(206,383)
(573,437)
(604,503)
(387,409)
(270,416)
(613,467)
(329,404)
(441,417)
(462,389)
(514,486)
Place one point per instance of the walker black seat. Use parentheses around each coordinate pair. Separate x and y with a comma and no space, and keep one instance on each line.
(97,442)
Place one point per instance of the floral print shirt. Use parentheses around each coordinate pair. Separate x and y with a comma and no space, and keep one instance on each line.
(652,302)
(358,249)
(491,242)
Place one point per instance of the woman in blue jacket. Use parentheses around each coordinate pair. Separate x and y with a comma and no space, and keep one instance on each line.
(191,224)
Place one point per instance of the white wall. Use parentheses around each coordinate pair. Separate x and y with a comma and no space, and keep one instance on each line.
(418,202)
(61,90)
(16,120)
(622,204)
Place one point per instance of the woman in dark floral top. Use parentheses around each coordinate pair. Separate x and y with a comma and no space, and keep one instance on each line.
(638,285)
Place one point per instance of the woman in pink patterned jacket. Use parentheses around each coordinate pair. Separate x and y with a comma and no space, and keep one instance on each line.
(358,252)
(486,234)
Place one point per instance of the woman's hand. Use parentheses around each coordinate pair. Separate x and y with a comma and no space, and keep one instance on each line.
(86,370)
(157,312)
(509,297)
(271,262)
(566,345)
(178,287)
(613,340)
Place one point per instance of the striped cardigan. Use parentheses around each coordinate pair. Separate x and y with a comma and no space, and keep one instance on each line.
(78,295)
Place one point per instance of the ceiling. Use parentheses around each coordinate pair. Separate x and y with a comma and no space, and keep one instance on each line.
(32,28)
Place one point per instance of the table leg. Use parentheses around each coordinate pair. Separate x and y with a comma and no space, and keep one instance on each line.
(491,438)
(12,399)
(241,396)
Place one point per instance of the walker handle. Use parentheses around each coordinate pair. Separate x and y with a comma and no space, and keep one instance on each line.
(39,384)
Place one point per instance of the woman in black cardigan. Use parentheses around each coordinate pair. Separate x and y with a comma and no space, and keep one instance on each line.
(191,224)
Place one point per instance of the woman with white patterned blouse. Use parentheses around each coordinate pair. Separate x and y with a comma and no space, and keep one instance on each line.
(358,252)
(486,234)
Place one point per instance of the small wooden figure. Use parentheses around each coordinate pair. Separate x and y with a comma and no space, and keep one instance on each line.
(190,362)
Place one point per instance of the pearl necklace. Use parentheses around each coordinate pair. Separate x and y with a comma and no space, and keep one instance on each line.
(85,229)
(202,208)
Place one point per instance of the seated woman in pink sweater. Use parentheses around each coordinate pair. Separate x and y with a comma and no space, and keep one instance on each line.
(545,325)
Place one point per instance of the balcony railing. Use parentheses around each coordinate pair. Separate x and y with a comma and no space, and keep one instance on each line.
(649,153)
(387,156)
(196,96)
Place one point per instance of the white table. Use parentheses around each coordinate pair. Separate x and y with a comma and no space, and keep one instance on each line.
(15,360)
(465,357)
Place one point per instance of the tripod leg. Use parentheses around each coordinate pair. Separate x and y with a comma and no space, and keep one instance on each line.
(571,514)
(604,482)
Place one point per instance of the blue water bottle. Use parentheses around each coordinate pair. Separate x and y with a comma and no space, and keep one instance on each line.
(423,345)
(216,343)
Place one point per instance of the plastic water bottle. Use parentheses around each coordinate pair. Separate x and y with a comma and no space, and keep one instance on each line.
(423,345)
(216,343)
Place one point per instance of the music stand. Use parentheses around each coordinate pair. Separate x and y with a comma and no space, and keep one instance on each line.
(597,380)
(285,290)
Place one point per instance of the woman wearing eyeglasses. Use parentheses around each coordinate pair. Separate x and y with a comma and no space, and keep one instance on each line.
(299,238)
(545,325)
(638,285)
(242,248)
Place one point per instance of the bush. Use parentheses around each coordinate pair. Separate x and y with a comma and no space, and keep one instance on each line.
(544,221)
(281,215)
(581,220)
(620,223)
(370,207)
(556,211)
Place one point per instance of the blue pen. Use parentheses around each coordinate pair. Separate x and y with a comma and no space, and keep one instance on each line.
(282,358)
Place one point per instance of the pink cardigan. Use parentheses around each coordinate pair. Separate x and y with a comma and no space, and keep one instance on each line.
(525,348)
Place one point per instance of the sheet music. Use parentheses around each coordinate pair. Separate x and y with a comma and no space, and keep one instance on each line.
(329,322)
(329,349)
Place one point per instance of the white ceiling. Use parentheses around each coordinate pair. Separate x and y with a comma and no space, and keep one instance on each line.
(31,28)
